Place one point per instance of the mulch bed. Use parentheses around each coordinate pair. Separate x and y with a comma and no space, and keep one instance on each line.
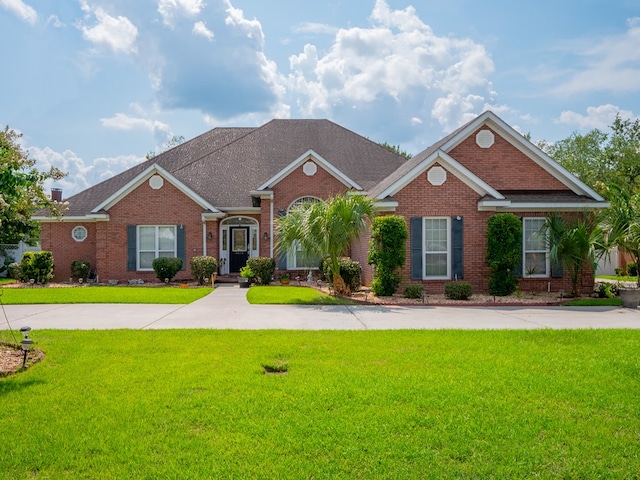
(11,358)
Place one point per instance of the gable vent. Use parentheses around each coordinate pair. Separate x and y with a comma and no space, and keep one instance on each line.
(485,138)
(437,175)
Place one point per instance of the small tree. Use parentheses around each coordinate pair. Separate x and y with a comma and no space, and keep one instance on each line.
(387,252)
(166,267)
(80,269)
(573,244)
(504,252)
(202,268)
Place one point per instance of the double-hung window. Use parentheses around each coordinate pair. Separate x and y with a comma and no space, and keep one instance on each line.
(297,258)
(155,241)
(536,262)
(437,247)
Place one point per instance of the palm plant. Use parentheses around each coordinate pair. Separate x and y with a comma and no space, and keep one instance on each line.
(574,243)
(325,229)
(621,222)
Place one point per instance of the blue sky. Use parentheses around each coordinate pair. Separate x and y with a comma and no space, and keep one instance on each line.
(95,85)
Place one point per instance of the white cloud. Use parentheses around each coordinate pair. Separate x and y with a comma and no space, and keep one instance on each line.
(21,9)
(316,28)
(200,28)
(170,9)
(120,121)
(610,64)
(116,33)
(55,21)
(599,117)
(399,58)
(80,175)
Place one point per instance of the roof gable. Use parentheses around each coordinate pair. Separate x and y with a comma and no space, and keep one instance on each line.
(144,176)
(310,155)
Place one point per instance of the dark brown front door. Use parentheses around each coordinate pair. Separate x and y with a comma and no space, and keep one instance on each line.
(239,248)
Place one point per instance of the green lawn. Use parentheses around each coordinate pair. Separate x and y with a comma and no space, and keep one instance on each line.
(95,294)
(289,295)
(594,302)
(378,404)
(617,278)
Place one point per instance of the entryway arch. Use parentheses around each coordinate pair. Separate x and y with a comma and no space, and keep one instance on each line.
(239,240)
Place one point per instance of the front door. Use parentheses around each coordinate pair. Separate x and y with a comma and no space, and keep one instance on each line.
(239,248)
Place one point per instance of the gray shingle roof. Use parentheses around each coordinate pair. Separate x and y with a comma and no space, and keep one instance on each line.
(224,164)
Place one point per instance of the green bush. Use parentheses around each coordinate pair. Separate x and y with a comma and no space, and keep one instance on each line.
(14,270)
(263,269)
(413,291)
(202,268)
(504,252)
(387,252)
(80,269)
(246,272)
(632,269)
(606,290)
(458,290)
(350,271)
(166,267)
(37,266)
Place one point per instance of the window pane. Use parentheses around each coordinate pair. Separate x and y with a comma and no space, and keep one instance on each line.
(166,238)
(535,238)
(436,264)
(147,238)
(146,259)
(535,264)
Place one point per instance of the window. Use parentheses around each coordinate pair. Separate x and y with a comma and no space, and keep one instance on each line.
(153,242)
(79,233)
(297,259)
(437,248)
(536,248)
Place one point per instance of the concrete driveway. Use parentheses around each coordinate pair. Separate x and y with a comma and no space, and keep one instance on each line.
(227,308)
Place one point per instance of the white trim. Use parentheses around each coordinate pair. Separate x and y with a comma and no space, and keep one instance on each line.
(509,206)
(310,155)
(79,227)
(547,259)
(157,241)
(424,250)
(145,175)
(448,163)
(525,146)
(385,206)
(76,218)
(240,211)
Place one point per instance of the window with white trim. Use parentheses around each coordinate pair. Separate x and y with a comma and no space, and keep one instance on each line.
(155,241)
(296,258)
(79,233)
(535,259)
(437,247)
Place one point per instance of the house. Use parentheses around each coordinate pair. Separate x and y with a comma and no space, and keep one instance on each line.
(219,194)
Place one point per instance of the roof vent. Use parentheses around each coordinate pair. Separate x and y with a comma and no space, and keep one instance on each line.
(437,175)
(485,138)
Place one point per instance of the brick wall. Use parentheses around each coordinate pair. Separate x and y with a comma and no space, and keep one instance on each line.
(56,237)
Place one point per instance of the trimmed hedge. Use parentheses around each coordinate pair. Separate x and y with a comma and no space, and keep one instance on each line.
(413,291)
(458,290)
(350,271)
(203,267)
(166,267)
(80,269)
(37,266)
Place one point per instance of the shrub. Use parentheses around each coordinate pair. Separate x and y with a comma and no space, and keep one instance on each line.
(458,290)
(166,267)
(263,269)
(606,290)
(387,252)
(350,271)
(246,272)
(202,268)
(80,269)
(37,266)
(14,270)
(504,252)
(632,269)
(413,291)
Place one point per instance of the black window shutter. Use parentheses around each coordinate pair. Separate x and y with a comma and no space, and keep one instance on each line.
(180,245)
(282,256)
(416,248)
(131,247)
(557,271)
(457,248)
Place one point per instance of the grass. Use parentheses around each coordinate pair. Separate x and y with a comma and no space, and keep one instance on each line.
(618,278)
(290,295)
(5,281)
(594,302)
(95,294)
(377,404)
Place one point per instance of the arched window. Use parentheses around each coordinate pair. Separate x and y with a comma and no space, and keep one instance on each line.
(296,258)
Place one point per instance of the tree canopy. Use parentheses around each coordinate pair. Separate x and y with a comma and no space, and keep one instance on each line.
(21,191)
(600,158)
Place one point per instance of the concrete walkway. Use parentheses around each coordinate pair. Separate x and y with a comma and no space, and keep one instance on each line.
(227,308)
